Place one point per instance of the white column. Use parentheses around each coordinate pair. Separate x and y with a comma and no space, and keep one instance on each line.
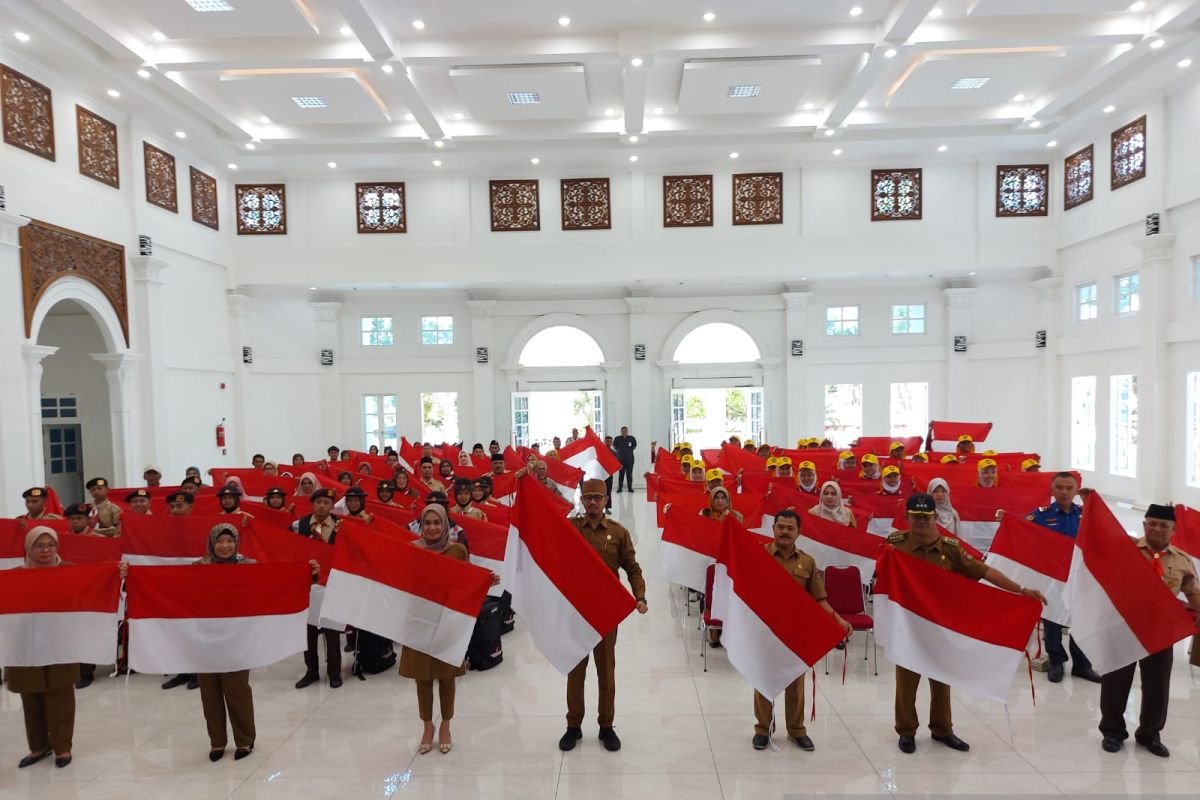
(326,336)
(641,396)
(149,337)
(17,437)
(239,312)
(1153,430)
(774,408)
(612,373)
(512,382)
(958,323)
(795,372)
(34,354)
(120,370)
(1045,427)
(484,386)
(669,370)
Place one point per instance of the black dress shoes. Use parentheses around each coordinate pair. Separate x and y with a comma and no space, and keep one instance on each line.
(216,755)
(335,681)
(242,752)
(84,681)
(760,741)
(1156,748)
(178,680)
(804,743)
(193,682)
(61,761)
(568,740)
(308,680)
(908,744)
(1088,674)
(612,743)
(29,761)
(1111,744)
(1054,673)
(953,742)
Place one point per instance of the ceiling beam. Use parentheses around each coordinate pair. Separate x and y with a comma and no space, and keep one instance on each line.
(372,34)
(641,45)
(1118,59)
(282,53)
(1064,31)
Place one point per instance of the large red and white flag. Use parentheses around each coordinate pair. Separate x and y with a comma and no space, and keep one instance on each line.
(834,545)
(567,596)
(165,539)
(59,615)
(215,617)
(393,588)
(950,628)
(487,542)
(1121,611)
(688,547)
(1187,533)
(1036,557)
(773,629)
(590,454)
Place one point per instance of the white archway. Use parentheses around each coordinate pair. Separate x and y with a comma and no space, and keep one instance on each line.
(88,295)
(561,346)
(716,343)
(710,317)
(536,326)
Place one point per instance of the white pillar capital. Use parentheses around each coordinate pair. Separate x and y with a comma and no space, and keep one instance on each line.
(34,353)
(148,269)
(640,304)
(326,311)
(1160,247)
(482,308)
(796,301)
(959,297)
(1047,288)
(239,304)
(769,363)
(10,227)
(610,367)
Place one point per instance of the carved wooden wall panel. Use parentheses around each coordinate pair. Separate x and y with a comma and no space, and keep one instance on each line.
(49,253)
(758,198)
(204,198)
(586,204)
(98,156)
(28,113)
(515,206)
(687,201)
(261,209)
(895,194)
(381,207)
(1023,190)
(1079,182)
(1128,154)
(159,166)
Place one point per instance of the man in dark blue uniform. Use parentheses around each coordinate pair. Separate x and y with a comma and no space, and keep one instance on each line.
(623,446)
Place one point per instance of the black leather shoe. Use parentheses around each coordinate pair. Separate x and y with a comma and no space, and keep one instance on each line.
(242,752)
(1111,744)
(308,680)
(612,742)
(804,743)
(953,742)
(335,681)
(178,680)
(908,744)
(193,682)
(61,761)
(1054,673)
(568,740)
(1156,748)
(29,761)
(1088,674)
(760,741)
(84,682)
(216,755)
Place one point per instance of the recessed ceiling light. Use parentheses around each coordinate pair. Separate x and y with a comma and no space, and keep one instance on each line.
(608,112)
(829,131)
(862,104)
(1035,123)
(1157,43)
(733,155)
(969,83)
(331,164)
(458,115)
(21,36)
(388,68)
(1018,98)
(1184,63)
(658,110)
(943,148)
(564,21)
(231,165)
(633,139)
(311,102)
(409,117)
(837,152)
(1109,109)
(312,288)
(809,106)
(633,159)
(180,135)
(889,53)
(709,16)
(1051,143)
(523,98)
(745,90)
(418,24)
(970,273)
(1138,6)
(250,145)
(113,93)
(934,13)
(264,120)
(535,161)
(854,12)
(439,144)
(437,162)
(143,73)
(158,36)
(210,5)
(636,61)
(345,31)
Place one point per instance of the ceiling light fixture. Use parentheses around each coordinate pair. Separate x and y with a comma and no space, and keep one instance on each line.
(1035,123)
(608,112)
(934,13)
(113,93)
(1109,109)
(250,145)
(943,148)
(1018,98)
(210,5)
(157,36)
(418,24)
(264,120)
(633,139)
(854,12)
(837,152)
(809,106)
(180,135)
(1155,44)
(829,131)
(733,155)
(21,36)
(437,162)
(633,159)
(535,161)
(709,16)
(439,144)
(388,69)
(1051,143)
(889,53)
(564,21)
(636,61)
(331,164)
(969,83)
(143,73)
(1184,63)
(312,288)
(309,102)
(1138,6)
(658,110)
(458,115)
(409,118)
(345,30)
(523,98)
(744,90)
(231,165)
(862,104)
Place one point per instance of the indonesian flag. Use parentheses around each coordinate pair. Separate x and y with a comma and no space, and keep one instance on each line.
(405,593)
(1035,557)
(159,539)
(566,594)
(950,628)
(834,545)
(59,615)
(487,541)
(591,455)
(734,458)
(773,629)
(1121,611)
(950,431)
(276,546)
(1187,533)
(215,617)
(688,547)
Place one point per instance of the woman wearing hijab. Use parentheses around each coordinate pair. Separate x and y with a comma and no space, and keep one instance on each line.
(307,484)
(227,693)
(830,507)
(720,506)
(947,517)
(422,667)
(403,487)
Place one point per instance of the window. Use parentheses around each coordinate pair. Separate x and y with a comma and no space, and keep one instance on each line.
(895,194)
(910,409)
(1021,191)
(841,321)
(1192,450)
(843,412)
(1127,294)
(261,209)
(1123,408)
(377,332)
(59,408)
(379,421)
(1129,153)
(381,208)
(437,330)
(908,319)
(1086,306)
(561,346)
(1083,422)
(520,419)
(757,428)
(678,421)
(717,343)
(1077,178)
(64,449)
(439,417)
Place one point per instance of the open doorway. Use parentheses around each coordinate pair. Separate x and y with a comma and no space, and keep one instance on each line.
(706,416)
(539,416)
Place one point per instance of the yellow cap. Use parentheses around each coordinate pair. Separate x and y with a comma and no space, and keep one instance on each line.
(748,443)
(772,461)
(891,469)
(714,474)
(870,458)
(1030,462)
(800,443)
(920,457)
(687,460)
(785,461)
(948,459)
(894,445)
(988,453)
(965,438)
(985,463)
(807,465)
(842,456)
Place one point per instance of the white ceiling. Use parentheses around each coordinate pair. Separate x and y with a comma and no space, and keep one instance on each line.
(879,80)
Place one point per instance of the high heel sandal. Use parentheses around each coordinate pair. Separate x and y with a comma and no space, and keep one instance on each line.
(444,747)
(425,747)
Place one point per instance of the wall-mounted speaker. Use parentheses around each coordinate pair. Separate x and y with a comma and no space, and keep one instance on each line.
(1152,224)
(639,352)
(797,348)
(481,355)
(1039,339)
(960,344)
(247,354)
(145,245)
(327,357)
(3,202)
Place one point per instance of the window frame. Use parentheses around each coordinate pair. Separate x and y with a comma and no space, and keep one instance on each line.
(1191,469)
(1137,295)
(1131,457)
(421,330)
(842,320)
(362,331)
(381,415)
(1095,301)
(1089,424)
(908,320)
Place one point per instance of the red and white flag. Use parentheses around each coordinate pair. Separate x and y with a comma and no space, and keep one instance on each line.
(405,593)
(1121,611)
(59,615)
(169,539)
(1036,557)
(215,617)
(834,545)
(590,454)
(487,542)
(1187,533)
(773,629)
(688,547)
(564,592)
(950,628)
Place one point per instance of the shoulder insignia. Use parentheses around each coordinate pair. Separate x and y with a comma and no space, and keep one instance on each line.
(897,536)
(950,540)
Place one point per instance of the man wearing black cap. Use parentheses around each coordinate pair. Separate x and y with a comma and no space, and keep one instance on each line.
(138,501)
(497,463)
(179,504)
(35,504)
(462,500)
(191,484)
(427,480)
(1176,570)
(275,498)
(355,503)
(231,499)
(923,541)
(321,524)
(79,518)
(106,513)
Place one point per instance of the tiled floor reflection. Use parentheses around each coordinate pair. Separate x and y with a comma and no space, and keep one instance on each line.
(686,733)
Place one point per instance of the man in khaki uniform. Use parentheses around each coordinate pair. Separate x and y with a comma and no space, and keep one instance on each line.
(614,544)
(427,480)
(1175,568)
(923,541)
(106,513)
(35,504)
(139,501)
(801,566)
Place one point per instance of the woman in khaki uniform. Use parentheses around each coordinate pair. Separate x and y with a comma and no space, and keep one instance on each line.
(422,667)
(227,693)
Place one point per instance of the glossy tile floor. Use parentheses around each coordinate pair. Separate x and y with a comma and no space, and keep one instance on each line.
(686,733)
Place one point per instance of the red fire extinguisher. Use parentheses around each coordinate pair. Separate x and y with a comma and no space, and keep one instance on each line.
(221,434)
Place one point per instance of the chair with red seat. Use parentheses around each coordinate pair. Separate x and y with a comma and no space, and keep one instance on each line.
(844,591)
(708,619)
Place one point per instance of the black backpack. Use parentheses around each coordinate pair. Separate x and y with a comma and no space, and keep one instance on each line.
(373,654)
(485,650)
(508,618)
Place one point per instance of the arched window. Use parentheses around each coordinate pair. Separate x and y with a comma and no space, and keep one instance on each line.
(716,343)
(561,346)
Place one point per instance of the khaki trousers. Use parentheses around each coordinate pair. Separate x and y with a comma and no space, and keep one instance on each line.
(793,711)
(605,654)
(228,693)
(445,699)
(49,719)
(940,723)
